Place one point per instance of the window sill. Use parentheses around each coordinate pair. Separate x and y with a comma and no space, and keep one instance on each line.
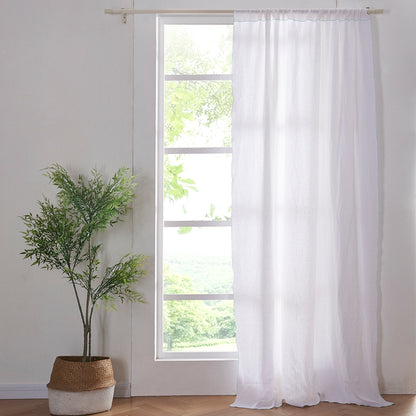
(197,356)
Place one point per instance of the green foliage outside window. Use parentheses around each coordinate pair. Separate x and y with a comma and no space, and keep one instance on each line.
(192,323)
(196,114)
(191,106)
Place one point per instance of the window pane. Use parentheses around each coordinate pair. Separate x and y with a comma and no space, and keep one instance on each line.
(194,325)
(197,260)
(198,49)
(197,187)
(198,113)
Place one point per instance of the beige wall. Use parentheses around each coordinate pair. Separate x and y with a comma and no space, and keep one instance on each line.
(66,81)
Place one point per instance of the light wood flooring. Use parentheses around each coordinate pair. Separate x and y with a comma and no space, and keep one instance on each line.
(405,405)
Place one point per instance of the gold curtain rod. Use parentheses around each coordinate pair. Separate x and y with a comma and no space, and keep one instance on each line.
(125,12)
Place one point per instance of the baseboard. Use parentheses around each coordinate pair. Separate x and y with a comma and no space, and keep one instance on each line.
(122,390)
(40,391)
(23,391)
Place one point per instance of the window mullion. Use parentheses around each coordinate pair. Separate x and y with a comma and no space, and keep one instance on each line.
(192,223)
(197,150)
(198,77)
(198,296)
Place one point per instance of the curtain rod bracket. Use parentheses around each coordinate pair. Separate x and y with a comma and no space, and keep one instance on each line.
(370,10)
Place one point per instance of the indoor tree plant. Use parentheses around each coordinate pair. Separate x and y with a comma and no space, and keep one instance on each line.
(64,236)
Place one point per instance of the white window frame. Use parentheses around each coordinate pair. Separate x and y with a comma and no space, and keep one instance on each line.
(161,151)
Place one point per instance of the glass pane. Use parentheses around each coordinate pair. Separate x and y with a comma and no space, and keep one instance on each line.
(194,325)
(198,49)
(197,187)
(197,260)
(198,113)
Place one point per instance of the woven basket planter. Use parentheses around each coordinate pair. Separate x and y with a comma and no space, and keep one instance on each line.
(81,388)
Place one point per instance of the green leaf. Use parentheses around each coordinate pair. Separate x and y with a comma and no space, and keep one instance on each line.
(184,230)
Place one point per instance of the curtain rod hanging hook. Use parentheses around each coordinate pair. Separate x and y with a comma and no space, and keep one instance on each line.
(123,16)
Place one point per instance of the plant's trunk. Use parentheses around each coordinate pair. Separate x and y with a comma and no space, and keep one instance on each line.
(84,323)
(89,345)
(87,331)
(89,334)
(85,351)
(87,327)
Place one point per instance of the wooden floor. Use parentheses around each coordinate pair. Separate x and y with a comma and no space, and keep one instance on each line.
(405,405)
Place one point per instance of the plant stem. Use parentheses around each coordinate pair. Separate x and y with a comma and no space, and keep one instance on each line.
(89,335)
(78,303)
(86,327)
(84,353)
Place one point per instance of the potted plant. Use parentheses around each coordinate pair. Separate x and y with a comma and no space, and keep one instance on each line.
(64,236)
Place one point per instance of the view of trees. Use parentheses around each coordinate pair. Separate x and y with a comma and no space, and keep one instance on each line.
(193,323)
(194,110)
(197,114)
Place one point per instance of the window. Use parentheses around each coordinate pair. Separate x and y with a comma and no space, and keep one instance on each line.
(195,301)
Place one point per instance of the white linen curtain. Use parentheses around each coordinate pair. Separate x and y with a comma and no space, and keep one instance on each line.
(305,208)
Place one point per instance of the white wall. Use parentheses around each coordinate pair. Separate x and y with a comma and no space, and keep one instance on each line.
(66,97)
(66,86)
(396,73)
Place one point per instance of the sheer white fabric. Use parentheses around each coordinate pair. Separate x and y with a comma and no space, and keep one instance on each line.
(305,208)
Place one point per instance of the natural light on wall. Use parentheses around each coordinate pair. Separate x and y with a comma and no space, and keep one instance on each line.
(195,301)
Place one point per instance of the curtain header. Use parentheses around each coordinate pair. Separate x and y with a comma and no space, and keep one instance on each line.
(301,15)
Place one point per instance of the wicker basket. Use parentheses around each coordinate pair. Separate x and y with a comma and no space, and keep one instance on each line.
(73,375)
